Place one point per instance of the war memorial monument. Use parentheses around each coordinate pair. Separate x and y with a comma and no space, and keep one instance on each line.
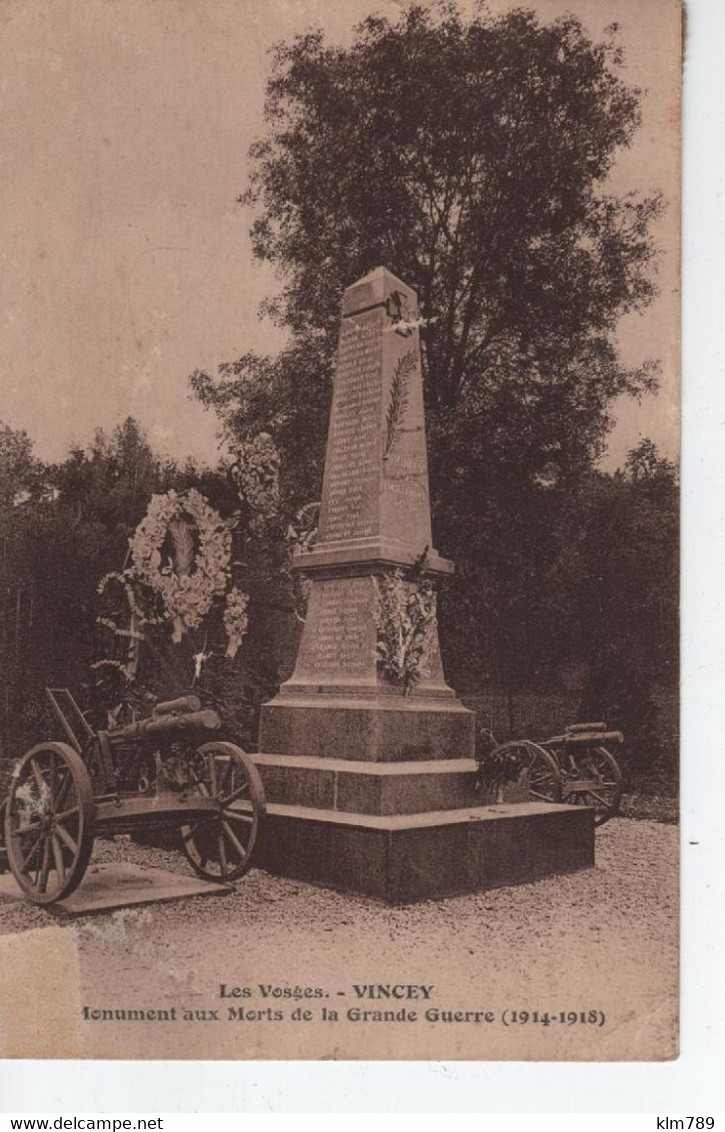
(372,782)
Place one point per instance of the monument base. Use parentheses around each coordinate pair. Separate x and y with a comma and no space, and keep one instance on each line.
(402,858)
(371,728)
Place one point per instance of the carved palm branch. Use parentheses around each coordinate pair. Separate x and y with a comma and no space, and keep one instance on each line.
(398,400)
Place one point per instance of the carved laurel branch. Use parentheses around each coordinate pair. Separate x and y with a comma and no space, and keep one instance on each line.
(398,400)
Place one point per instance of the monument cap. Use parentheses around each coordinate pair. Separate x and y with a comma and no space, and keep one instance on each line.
(375,290)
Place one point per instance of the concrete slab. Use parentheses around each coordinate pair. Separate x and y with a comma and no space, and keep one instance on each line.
(119,885)
(401,858)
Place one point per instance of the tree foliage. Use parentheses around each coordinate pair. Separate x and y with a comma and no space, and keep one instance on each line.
(471,158)
(21,474)
(288,396)
(62,527)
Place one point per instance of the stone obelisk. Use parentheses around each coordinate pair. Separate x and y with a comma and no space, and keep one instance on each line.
(371,782)
(374,518)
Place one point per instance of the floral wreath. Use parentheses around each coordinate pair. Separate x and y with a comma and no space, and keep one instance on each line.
(406,624)
(187,595)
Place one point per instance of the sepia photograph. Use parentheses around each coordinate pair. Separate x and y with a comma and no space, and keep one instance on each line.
(339,523)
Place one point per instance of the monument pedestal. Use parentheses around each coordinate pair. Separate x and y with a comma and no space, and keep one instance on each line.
(403,858)
(375,728)
(401,832)
(370,776)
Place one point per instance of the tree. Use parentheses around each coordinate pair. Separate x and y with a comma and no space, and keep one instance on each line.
(112,480)
(61,529)
(288,396)
(21,473)
(613,584)
(645,466)
(610,595)
(471,159)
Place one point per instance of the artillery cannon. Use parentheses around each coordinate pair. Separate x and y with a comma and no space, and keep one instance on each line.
(574,767)
(166,771)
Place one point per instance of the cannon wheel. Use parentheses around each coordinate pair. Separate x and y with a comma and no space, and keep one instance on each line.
(599,765)
(49,819)
(221,846)
(544,773)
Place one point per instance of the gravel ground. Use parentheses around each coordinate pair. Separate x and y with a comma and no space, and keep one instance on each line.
(652,804)
(605,939)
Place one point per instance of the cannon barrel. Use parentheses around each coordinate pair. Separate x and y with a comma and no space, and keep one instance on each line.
(571,738)
(177,706)
(167,726)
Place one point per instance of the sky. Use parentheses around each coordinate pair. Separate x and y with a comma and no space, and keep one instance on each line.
(126,262)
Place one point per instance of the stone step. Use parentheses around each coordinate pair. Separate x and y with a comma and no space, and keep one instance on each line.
(375,788)
(401,858)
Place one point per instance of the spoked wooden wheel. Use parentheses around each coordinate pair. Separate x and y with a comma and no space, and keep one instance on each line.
(221,844)
(544,773)
(598,783)
(49,822)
